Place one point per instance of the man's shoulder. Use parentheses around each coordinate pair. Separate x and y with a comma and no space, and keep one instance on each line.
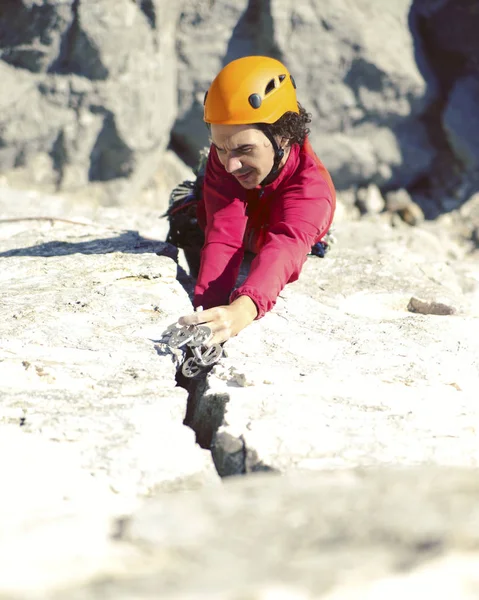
(308,157)
(311,171)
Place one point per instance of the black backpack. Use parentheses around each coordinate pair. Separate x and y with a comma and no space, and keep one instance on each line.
(184,231)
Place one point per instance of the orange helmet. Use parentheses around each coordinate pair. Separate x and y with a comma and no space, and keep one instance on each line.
(253,89)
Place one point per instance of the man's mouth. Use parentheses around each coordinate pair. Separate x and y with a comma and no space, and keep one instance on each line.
(243,176)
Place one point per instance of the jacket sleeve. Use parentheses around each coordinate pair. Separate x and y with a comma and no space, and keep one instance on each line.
(298,224)
(222,252)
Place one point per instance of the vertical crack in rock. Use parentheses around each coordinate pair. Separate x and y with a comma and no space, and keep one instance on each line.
(232,456)
(205,414)
(229,454)
(205,411)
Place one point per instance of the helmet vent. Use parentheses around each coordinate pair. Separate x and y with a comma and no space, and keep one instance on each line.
(204,100)
(282,78)
(270,87)
(293,81)
(255,100)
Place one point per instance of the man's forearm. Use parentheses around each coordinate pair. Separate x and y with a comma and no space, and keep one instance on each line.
(247,307)
(219,269)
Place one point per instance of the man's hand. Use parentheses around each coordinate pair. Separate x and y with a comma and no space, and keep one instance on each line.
(224,321)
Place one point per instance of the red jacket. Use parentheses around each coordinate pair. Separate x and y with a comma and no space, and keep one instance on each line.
(280,223)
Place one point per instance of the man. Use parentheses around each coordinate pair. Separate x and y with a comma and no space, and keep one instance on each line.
(264,191)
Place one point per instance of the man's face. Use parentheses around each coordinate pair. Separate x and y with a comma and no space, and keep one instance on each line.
(244,151)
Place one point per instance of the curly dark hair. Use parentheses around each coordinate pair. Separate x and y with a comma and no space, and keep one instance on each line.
(291,126)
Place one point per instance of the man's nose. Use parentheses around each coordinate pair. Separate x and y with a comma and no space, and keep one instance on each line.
(233,164)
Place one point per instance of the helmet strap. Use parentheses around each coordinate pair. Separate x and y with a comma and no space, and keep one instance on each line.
(278,154)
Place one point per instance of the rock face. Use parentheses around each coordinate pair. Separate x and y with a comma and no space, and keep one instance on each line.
(355,70)
(82,361)
(339,375)
(271,537)
(310,385)
(88,91)
(392,87)
(332,535)
(450,46)
(447,51)
(92,90)
(351,407)
(461,122)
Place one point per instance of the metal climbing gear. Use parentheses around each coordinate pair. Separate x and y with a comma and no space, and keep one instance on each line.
(202,336)
(196,337)
(182,336)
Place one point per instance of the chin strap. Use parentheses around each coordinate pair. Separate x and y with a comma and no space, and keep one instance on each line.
(278,154)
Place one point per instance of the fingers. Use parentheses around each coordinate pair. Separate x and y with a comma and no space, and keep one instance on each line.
(197,318)
(218,338)
(189,320)
(217,319)
(221,329)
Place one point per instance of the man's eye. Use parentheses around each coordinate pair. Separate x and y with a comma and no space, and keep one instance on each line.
(220,150)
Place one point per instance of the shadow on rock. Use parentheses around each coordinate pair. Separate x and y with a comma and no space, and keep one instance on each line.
(130,242)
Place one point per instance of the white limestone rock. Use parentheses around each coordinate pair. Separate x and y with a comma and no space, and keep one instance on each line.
(357,379)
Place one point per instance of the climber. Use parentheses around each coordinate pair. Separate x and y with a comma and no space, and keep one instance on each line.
(264,191)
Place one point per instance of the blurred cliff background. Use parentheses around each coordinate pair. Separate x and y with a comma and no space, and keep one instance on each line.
(102,97)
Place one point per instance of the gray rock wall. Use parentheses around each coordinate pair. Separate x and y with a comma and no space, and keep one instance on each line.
(92,89)
(88,90)
(391,86)
(355,69)
(447,52)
